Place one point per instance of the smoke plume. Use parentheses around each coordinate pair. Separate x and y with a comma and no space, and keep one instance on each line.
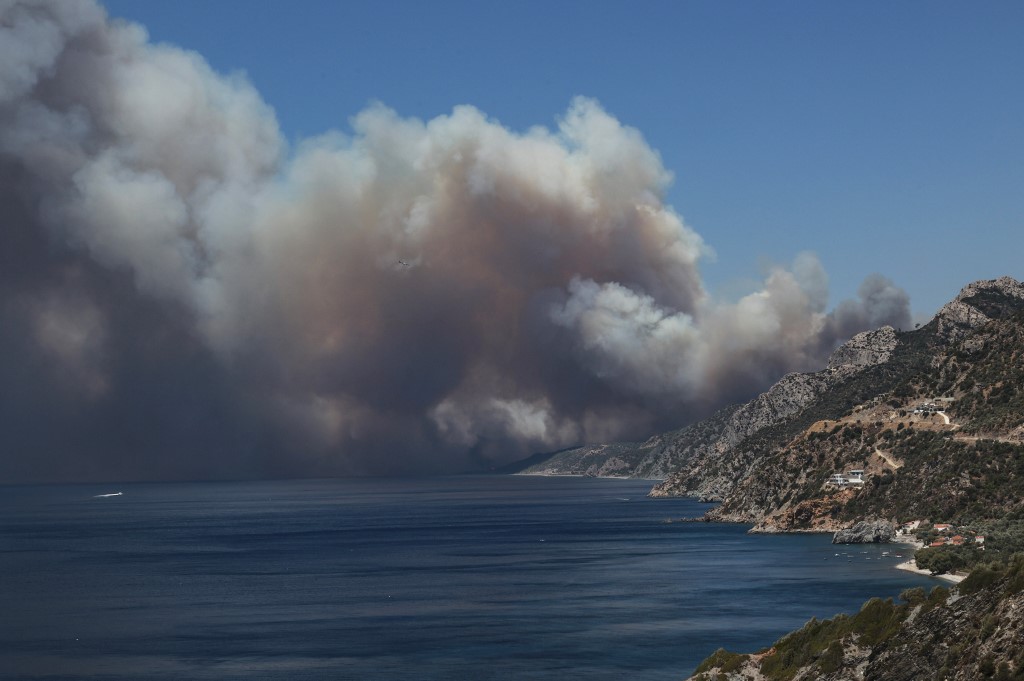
(183,295)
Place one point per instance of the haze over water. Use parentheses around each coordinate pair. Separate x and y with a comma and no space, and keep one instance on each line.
(434,578)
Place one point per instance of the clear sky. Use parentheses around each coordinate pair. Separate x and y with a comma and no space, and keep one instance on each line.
(884,137)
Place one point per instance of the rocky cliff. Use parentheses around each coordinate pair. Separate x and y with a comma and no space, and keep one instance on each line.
(866,532)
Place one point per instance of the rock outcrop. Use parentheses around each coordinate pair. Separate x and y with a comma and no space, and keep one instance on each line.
(976,304)
(865,349)
(866,532)
(811,515)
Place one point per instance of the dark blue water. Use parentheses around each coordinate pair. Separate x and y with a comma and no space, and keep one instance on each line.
(452,578)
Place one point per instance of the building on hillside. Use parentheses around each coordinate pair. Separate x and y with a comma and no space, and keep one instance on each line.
(942,527)
(856,476)
(838,480)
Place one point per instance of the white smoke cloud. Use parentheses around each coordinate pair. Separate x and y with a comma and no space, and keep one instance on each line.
(414,294)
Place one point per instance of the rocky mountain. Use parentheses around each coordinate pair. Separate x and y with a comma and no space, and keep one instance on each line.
(938,435)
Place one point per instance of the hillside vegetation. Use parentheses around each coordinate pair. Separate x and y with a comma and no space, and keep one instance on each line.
(974,631)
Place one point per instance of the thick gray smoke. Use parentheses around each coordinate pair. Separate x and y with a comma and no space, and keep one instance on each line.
(184,296)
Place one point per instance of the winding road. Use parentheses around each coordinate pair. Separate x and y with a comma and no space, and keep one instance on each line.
(891,462)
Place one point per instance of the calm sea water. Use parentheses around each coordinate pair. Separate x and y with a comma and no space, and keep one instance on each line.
(445,578)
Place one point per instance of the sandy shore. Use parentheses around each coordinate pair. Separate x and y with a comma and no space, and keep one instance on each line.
(911,566)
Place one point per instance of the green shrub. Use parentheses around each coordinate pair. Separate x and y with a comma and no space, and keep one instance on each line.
(724,660)
(832,659)
(988,626)
(981,577)
(914,596)
(938,596)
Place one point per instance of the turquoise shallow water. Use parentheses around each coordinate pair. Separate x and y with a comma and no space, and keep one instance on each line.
(439,578)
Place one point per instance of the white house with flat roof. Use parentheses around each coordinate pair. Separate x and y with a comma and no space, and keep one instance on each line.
(838,479)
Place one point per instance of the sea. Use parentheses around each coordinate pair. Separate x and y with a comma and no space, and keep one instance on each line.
(465,577)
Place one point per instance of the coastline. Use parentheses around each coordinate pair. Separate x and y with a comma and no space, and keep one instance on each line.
(584,475)
(907,566)
(911,566)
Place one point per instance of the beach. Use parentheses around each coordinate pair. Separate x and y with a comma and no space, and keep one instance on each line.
(911,566)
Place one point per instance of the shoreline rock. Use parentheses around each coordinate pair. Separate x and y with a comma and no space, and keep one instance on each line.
(867,532)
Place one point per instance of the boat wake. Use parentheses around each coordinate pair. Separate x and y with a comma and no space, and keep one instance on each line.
(111,494)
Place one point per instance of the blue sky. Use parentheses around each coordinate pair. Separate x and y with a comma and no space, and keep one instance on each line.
(883,137)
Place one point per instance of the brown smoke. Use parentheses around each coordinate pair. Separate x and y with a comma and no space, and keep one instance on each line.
(186,297)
